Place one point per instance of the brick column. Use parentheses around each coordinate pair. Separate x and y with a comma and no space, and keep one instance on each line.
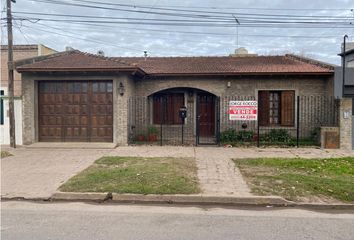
(120,112)
(345,123)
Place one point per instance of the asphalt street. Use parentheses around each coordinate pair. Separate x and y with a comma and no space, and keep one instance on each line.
(37,221)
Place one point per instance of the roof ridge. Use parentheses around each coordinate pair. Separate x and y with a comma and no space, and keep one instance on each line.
(228,57)
(42,58)
(63,53)
(310,61)
(106,58)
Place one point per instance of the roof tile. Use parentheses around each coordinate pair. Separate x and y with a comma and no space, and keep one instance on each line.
(231,65)
(76,60)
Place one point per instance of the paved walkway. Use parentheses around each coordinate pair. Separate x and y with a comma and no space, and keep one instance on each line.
(38,172)
(217,173)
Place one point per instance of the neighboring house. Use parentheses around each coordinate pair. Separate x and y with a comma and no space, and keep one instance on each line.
(19,52)
(348,84)
(349,78)
(74,96)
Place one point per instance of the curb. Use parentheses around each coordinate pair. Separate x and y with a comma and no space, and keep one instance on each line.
(199,200)
(34,199)
(180,199)
(83,197)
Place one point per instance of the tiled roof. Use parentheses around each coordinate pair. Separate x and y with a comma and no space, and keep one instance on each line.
(73,61)
(229,65)
(79,61)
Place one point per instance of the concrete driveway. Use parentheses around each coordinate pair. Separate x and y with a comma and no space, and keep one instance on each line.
(37,173)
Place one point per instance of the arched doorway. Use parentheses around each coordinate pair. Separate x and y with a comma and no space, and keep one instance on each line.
(201,125)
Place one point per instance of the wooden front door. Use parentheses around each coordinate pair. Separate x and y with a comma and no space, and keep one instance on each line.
(206,115)
(75,111)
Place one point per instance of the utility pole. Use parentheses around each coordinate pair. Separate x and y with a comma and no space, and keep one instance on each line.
(10,65)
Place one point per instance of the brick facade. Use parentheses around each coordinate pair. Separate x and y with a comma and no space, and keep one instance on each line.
(30,103)
(20,52)
(143,88)
(241,86)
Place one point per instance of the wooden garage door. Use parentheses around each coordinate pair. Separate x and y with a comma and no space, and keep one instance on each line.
(75,111)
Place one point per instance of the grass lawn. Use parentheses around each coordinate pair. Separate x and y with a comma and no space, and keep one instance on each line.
(299,179)
(5,154)
(137,175)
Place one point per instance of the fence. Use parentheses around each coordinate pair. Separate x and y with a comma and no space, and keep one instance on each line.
(143,130)
(293,121)
(305,116)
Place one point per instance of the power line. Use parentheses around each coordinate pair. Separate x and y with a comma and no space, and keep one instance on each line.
(228,19)
(83,39)
(199,24)
(99,26)
(174,9)
(196,33)
(170,11)
(79,28)
(19,29)
(251,8)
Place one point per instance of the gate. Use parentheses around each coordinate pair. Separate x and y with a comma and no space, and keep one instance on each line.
(208,119)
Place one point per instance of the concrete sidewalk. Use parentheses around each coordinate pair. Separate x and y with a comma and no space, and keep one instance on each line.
(38,172)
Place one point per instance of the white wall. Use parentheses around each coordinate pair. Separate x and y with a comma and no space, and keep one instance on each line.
(4,129)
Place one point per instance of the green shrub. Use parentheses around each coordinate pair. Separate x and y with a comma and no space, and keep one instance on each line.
(245,135)
(152,130)
(277,135)
(231,136)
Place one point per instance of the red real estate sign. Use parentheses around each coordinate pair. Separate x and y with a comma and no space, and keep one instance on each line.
(243,110)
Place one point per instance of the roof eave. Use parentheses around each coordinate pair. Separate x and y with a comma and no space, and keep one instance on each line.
(346,53)
(133,70)
(242,74)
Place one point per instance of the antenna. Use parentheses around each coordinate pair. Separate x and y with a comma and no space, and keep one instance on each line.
(237,24)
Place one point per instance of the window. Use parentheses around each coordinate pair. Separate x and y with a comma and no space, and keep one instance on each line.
(166,108)
(1,108)
(276,108)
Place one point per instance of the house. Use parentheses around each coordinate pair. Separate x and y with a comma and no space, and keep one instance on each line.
(349,58)
(19,52)
(347,95)
(74,96)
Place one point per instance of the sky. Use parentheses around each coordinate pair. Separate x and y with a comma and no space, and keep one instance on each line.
(133,33)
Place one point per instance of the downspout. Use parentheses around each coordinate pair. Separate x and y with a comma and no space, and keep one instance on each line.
(343,64)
